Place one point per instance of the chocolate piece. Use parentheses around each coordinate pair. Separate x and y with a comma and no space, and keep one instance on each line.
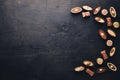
(90,72)
(109,21)
(104,54)
(116,24)
(99,61)
(85,14)
(104,12)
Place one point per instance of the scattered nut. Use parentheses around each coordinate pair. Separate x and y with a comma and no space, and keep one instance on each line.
(111,32)
(104,12)
(76,10)
(102,34)
(112,51)
(88,63)
(109,43)
(112,12)
(111,66)
(79,68)
(104,54)
(97,10)
(99,19)
(116,25)
(99,61)
(88,8)
(101,70)
(90,72)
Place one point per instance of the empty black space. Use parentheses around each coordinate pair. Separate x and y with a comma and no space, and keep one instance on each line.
(42,40)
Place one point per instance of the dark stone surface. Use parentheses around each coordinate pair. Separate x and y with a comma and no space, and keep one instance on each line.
(41,40)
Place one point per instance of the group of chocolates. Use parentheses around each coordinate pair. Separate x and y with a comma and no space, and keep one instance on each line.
(86,12)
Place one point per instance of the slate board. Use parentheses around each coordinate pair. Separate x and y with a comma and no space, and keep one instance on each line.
(42,40)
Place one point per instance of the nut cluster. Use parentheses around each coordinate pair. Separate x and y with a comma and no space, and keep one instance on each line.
(109,15)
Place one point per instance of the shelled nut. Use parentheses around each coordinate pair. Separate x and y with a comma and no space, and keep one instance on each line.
(88,63)
(112,51)
(111,32)
(79,68)
(99,19)
(88,8)
(101,70)
(99,61)
(102,34)
(97,10)
(109,43)
(112,11)
(76,10)
(111,66)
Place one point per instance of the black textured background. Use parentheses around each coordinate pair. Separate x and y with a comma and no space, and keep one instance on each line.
(42,40)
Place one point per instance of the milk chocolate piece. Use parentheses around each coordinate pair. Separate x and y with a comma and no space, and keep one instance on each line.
(102,34)
(109,21)
(104,54)
(90,72)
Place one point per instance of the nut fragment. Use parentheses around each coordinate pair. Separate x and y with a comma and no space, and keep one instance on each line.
(76,10)
(85,14)
(109,43)
(112,51)
(104,54)
(112,12)
(97,10)
(99,61)
(79,68)
(100,20)
(104,12)
(90,72)
(111,32)
(111,66)
(101,70)
(102,34)
(88,63)
(116,25)
(109,21)
(88,8)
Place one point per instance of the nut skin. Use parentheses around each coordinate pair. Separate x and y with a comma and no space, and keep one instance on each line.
(109,21)
(97,10)
(104,54)
(112,51)
(102,34)
(101,70)
(113,12)
(111,33)
(88,63)
(76,10)
(111,66)
(90,72)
